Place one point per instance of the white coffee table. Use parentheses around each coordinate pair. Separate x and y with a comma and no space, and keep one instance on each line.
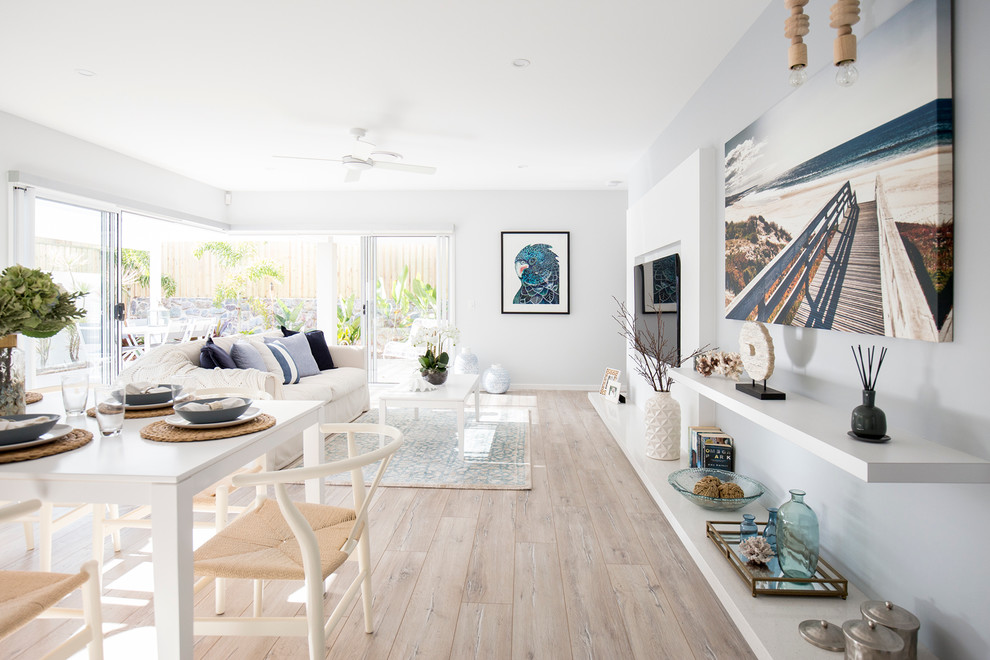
(452,394)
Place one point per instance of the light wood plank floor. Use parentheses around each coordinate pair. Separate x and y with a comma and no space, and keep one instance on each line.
(582,566)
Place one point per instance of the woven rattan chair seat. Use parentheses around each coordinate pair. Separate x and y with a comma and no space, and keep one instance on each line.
(26,594)
(260,545)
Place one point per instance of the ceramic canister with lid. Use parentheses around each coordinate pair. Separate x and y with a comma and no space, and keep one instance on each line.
(899,620)
(865,640)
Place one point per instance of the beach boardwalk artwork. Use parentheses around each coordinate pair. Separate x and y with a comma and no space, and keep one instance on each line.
(838,201)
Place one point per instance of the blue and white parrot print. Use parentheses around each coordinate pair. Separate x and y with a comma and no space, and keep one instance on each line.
(538,271)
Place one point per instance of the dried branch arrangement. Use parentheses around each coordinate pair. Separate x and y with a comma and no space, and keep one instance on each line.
(652,354)
(865,365)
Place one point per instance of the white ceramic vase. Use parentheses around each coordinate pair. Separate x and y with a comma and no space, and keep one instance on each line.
(466,362)
(663,427)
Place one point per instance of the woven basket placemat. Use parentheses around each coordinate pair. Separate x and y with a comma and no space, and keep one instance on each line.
(165,432)
(33,397)
(74,439)
(139,414)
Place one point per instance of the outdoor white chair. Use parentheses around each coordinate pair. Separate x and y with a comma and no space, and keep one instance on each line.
(28,595)
(214,500)
(283,540)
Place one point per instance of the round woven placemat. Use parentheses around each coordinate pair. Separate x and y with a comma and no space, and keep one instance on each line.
(139,414)
(164,432)
(74,439)
(33,397)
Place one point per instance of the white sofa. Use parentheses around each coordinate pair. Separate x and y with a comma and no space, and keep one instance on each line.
(344,388)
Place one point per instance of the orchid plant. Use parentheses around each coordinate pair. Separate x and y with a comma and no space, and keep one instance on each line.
(435,339)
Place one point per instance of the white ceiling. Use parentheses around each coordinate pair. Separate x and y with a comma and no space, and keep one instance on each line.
(213,89)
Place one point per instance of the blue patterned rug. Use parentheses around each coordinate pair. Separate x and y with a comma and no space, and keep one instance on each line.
(496,450)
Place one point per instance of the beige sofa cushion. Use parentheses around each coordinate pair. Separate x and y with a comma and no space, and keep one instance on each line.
(327,385)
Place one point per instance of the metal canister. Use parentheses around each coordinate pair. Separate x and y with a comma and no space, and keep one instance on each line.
(865,640)
(898,619)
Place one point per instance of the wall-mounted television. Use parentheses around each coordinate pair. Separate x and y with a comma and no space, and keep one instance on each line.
(658,290)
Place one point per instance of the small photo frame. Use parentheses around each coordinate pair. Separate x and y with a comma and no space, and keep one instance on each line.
(536,269)
(610,374)
(612,390)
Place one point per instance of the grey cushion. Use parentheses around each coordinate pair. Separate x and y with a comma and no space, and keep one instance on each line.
(247,356)
(302,355)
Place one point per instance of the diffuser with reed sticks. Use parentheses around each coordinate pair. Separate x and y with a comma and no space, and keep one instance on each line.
(869,423)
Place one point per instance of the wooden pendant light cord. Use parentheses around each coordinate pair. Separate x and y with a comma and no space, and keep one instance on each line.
(845,14)
(796,27)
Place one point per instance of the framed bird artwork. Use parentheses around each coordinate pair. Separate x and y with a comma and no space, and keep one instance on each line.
(536,272)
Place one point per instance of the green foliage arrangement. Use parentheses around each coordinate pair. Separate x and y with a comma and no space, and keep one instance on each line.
(32,304)
(243,268)
(136,269)
(291,319)
(348,322)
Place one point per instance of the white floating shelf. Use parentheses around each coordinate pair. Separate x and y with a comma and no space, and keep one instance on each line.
(768,623)
(822,430)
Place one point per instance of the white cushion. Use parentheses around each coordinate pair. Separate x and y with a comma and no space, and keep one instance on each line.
(327,385)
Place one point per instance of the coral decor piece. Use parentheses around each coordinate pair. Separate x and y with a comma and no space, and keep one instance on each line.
(723,363)
(756,550)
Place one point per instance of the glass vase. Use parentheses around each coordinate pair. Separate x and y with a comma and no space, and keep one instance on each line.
(434,377)
(11,377)
(797,537)
(770,531)
(747,529)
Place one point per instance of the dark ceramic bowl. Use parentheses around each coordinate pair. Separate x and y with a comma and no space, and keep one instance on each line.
(683,482)
(144,399)
(211,416)
(27,433)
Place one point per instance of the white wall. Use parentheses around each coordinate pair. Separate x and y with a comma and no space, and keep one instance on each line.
(677,215)
(547,350)
(43,152)
(540,349)
(922,546)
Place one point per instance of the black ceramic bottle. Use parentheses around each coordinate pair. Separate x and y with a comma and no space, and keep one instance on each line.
(868,421)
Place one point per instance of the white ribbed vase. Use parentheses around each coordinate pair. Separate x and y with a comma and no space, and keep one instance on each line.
(663,427)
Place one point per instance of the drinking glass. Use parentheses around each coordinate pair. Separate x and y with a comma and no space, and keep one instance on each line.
(109,409)
(182,387)
(75,391)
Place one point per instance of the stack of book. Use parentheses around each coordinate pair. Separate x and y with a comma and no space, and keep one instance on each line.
(711,448)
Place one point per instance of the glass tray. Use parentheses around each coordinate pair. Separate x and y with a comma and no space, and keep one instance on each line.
(768,580)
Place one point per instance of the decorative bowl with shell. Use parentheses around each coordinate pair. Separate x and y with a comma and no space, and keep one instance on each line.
(683,482)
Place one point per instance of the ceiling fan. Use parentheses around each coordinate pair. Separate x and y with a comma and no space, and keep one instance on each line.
(364,156)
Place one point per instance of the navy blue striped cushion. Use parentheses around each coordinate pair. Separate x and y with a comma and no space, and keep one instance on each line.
(290,374)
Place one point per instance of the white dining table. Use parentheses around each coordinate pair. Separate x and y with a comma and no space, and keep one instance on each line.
(128,469)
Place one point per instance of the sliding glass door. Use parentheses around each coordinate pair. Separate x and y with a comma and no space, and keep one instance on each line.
(406,284)
(79,246)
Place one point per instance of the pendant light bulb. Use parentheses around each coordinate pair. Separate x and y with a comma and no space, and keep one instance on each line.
(799,76)
(846,73)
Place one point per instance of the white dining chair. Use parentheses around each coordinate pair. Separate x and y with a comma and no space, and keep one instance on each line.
(28,595)
(285,540)
(214,500)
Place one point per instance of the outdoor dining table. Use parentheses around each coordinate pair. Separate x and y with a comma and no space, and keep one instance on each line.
(128,469)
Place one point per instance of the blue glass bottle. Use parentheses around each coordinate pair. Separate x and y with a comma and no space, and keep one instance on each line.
(797,537)
(770,531)
(748,527)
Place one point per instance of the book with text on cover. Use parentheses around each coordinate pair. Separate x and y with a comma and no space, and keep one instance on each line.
(717,451)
